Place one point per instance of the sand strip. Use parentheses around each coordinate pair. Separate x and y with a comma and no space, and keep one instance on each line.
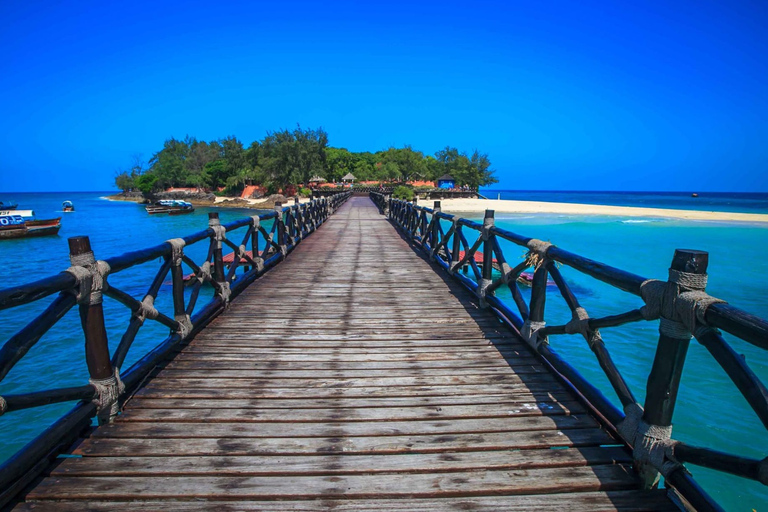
(478,206)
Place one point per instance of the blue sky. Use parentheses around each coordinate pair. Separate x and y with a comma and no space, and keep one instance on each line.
(561,95)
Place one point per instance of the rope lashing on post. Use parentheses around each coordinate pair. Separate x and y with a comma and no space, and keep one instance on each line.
(185,325)
(579,324)
(205,272)
(530,333)
(224,291)
(91,277)
(681,303)
(147,309)
(108,392)
(177,250)
(537,252)
(651,444)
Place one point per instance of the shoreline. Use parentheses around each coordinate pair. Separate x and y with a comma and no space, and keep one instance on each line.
(219,202)
(478,206)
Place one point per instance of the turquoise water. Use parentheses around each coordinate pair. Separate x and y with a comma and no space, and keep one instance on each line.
(710,410)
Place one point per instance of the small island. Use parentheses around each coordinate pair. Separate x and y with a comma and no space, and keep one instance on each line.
(290,163)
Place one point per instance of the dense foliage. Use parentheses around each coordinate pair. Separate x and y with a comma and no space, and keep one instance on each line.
(290,157)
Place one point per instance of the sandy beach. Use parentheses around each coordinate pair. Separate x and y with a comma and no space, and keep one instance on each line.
(477,206)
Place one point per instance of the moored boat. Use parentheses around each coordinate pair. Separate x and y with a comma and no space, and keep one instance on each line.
(8,206)
(16,226)
(67,206)
(171,207)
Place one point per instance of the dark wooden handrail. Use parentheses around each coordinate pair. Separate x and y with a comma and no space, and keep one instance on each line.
(647,429)
(87,282)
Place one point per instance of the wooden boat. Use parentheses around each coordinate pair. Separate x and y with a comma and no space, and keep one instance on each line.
(16,226)
(8,206)
(171,207)
(67,206)
(694,195)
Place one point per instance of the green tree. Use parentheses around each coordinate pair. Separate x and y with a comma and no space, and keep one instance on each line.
(289,157)
(146,183)
(338,162)
(168,164)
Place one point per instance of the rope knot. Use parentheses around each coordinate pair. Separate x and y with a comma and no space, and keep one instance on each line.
(255,221)
(537,252)
(219,233)
(579,323)
(177,250)
(185,325)
(681,303)
(91,277)
(107,393)
(530,334)
(3,406)
(224,291)
(147,309)
(205,272)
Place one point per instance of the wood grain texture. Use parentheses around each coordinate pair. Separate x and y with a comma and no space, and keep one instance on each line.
(350,377)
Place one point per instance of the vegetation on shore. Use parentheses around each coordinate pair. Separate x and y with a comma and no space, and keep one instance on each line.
(290,157)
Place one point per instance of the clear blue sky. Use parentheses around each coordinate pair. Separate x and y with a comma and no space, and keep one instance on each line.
(560,94)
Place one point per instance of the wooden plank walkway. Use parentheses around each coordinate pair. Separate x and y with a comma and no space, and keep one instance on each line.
(350,377)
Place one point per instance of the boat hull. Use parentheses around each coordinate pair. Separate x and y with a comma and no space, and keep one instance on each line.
(32,228)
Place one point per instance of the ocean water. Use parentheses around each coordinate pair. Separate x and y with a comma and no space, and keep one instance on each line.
(710,410)
(706,201)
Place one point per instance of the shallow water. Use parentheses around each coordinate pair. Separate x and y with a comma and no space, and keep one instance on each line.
(710,411)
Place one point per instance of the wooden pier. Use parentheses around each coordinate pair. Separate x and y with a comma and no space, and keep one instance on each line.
(350,377)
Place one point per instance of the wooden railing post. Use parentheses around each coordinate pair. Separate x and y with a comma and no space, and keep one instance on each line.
(435,232)
(487,271)
(456,249)
(177,280)
(667,369)
(91,282)
(218,259)
(280,229)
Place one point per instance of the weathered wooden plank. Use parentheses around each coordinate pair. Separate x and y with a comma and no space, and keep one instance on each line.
(523,481)
(346,465)
(367,414)
(204,429)
(341,365)
(230,372)
(334,444)
(360,382)
(359,392)
(609,501)
(218,398)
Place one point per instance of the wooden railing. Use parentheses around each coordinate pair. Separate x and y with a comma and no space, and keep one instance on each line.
(681,304)
(85,284)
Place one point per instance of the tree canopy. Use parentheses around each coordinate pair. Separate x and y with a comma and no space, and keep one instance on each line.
(290,157)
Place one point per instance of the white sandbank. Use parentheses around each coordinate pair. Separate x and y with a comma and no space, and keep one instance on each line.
(478,206)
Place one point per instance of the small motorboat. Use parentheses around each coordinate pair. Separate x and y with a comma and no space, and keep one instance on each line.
(67,206)
(171,207)
(694,195)
(16,226)
(8,206)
